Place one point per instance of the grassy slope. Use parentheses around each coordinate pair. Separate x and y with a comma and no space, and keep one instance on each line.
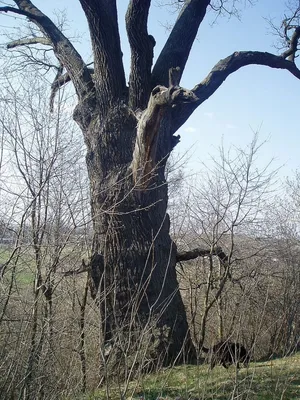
(276,379)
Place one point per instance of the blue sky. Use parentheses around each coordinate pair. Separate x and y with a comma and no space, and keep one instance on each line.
(254,98)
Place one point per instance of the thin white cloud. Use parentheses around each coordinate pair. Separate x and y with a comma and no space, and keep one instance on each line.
(209,115)
(189,129)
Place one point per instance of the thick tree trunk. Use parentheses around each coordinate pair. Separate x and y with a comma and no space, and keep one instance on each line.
(133,265)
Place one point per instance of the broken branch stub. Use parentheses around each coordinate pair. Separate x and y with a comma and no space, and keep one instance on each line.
(161,100)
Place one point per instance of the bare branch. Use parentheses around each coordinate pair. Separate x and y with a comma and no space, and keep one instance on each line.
(141,45)
(63,49)
(16,11)
(222,70)
(83,268)
(290,53)
(177,48)
(29,41)
(237,60)
(200,252)
(59,81)
(291,24)
(192,254)
(32,55)
(109,71)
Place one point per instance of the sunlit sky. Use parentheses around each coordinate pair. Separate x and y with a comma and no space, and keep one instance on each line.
(253,98)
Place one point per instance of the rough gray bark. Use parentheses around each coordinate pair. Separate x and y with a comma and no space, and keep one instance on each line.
(129,134)
(136,275)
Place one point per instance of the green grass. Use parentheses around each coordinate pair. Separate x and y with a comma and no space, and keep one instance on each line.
(24,272)
(5,252)
(271,380)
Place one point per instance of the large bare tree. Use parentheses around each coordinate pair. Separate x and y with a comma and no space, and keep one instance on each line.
(129,131)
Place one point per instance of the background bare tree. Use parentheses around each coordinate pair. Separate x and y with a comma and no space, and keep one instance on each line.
(223,215)
(45,227)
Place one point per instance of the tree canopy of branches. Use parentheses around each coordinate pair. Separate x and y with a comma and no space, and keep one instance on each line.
(129,131)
